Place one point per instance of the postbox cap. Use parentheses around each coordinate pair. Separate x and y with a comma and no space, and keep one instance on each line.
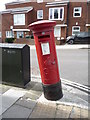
(42,25)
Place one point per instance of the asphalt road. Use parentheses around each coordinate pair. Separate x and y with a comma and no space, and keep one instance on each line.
(73,64)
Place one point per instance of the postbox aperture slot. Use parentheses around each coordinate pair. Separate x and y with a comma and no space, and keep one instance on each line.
(43,36)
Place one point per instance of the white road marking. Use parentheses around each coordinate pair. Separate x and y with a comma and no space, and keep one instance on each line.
(68,82)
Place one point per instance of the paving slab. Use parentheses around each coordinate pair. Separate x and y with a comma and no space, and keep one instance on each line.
(37,106)
(75,113)
(0,111)
(4,88)
(0,90)
(17,111)
(34,95)
(9,98)
(43,100)
(43,111)
(79,113)
(28,103)
(0,117)
(30,85)
(37,87)
(63,111)
(71,96)
(85,113)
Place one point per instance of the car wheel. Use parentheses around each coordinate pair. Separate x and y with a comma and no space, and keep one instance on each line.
(70,42)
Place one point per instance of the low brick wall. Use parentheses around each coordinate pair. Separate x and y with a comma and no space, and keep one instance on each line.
(60,42)
(25,41)
(31,41)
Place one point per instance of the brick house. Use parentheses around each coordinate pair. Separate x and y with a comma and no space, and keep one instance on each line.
(88,16)
(70,17)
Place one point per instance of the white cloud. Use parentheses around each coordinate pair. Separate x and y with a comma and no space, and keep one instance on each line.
(2,4)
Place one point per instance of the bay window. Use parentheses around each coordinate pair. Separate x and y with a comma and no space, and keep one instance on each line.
(39,1)
(0,34)
(20,34)
(19,19)
(9,34)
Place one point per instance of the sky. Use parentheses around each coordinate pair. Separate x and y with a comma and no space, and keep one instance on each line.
(2,4)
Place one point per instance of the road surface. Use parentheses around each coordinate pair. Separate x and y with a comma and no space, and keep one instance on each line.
(73,64)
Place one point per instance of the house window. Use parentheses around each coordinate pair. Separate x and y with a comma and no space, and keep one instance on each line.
(75,30)
(0,34)
(57,31)
(88,29)
(77,12)
(19,19)
(20,34)
(56,13)
(9,34)
(40,14)
(39,1)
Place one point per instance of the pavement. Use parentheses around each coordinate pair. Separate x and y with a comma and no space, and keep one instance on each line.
(29,102)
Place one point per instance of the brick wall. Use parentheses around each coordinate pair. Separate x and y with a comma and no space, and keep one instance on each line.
(7,21)
(80,20)
(0,22)
(25,41)
(88,13)
(69,20)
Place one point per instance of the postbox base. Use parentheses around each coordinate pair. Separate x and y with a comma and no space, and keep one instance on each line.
(53,92)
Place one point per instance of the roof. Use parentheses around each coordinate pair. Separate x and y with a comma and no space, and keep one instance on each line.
(58,2)
(18,2)
(8,45)
(48,1)
(18,10)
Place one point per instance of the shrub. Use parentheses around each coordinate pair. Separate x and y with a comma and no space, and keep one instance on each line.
(9,40)
(27,36)
(32,37)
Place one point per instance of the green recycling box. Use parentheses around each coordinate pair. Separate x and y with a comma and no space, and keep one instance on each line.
(15,64)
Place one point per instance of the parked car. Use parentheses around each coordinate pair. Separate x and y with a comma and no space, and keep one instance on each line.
(82,38)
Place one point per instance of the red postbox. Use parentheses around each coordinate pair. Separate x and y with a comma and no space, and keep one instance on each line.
(46,52)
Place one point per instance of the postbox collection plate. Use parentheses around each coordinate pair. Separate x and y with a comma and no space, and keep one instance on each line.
(45,48)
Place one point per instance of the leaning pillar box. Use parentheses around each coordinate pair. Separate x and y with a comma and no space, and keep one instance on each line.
(46,52)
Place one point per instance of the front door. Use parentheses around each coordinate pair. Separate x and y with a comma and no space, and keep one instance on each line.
(57,31)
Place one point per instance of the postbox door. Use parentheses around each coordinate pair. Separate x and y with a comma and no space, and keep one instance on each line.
(47,59)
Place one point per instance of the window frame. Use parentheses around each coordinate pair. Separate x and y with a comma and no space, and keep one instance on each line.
(38,17)
(9,34)
(39,1)
(18,34)
(77,12)
(57,8)
(75,30)
(0,34)
(15,22)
